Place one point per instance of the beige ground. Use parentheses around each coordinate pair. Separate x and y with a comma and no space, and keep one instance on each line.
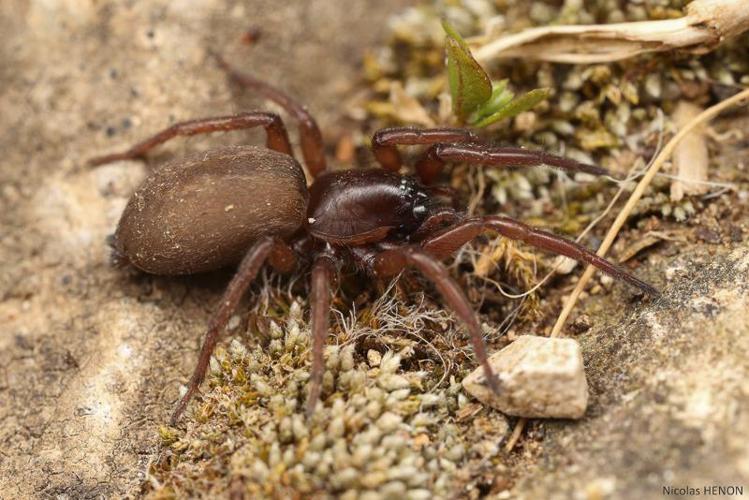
(91,358)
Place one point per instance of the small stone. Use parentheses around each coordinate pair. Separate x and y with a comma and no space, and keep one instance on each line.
(539,377)
(707,235)
(373,358)
(653,85)
(582,324)
(564,265)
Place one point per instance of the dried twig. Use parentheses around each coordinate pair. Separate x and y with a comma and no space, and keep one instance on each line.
(707,24)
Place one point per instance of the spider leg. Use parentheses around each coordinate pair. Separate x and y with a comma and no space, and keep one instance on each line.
(435,158)
(277,137)
(392,261)
(386,140)
(323,270)
(444,244)
(459,145)
(434,222)
(310,136)
(267,248)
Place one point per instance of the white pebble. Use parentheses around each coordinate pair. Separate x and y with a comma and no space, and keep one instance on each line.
(374,357)
(539,377)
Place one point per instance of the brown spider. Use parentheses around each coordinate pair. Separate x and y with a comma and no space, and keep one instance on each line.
(251,204)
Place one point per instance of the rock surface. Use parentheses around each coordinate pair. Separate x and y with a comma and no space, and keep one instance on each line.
(540,377)
(669,389)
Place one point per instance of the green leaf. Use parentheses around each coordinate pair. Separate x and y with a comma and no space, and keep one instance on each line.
(515,107)
(470,86)
(453,33)
(500,97)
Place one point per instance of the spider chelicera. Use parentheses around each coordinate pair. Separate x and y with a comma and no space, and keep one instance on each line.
(252,205)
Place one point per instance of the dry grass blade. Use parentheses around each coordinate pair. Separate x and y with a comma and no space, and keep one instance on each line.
(707,23)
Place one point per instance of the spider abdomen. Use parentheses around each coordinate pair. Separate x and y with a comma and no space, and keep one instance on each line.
(204,211)
(355,207)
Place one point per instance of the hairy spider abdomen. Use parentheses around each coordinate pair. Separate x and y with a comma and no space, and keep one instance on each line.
(204,211)
(355,207)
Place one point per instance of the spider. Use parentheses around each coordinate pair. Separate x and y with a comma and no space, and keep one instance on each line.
(252,205)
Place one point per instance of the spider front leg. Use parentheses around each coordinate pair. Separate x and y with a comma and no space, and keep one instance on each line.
(446,243)
(392,261)
(323,271)
(277,137)
(385,142)
(450,145)
(435,158)
(281,257)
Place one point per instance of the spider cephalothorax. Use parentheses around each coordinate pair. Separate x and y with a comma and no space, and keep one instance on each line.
(249,205)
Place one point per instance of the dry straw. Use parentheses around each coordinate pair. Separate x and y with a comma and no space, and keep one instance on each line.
(705,25)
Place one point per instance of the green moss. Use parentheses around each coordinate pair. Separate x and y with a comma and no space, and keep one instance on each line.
(378,429)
